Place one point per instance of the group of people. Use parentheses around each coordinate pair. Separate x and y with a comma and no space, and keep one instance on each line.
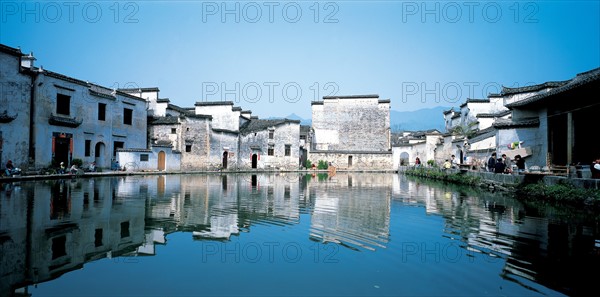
(504,164)
(10,169)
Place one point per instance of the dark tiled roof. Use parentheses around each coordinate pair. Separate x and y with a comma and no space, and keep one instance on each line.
(102,94)
(494,95)
(260,125)
(213,103)
(10,50)
(198,116)
(533,88)
(456,115)
(163,100)
(66,122)
(483,134)
(177,108)
(351,96)
(135,150)
(521,123)
(474,100)
(448,111)
(163,121)
(246,111)
(580,80)
(304,128)
(316,103)
(65,78)
(224,131)
(135,90)
(425,132)
(236,108)
(494,115)
(384,101)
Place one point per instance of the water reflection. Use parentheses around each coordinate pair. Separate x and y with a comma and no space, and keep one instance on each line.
(52,227)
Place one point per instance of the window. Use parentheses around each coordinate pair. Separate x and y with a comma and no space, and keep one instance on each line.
(98,238)
(271,150)
(117,145)
(187,129)
(271,134)
(88,148)
(288,150)
(101,111)
(143,157)
(188,148)
(124,229)
(59,247)
(63,104)
(302,137)
(127,116)
(173,130)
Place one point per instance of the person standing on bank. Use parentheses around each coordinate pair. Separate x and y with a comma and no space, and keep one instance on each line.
(499,166)
(520,162)
(595,168)
(491,163)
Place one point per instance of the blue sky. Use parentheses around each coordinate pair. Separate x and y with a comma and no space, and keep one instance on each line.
(276,57)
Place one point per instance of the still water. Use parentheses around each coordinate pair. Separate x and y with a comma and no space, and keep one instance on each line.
(286,234)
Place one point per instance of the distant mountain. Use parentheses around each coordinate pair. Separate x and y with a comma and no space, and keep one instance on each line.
(420,119)
(294,116)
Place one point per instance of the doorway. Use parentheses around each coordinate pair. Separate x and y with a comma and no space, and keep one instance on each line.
(99,153)
(62,149)
(254,161)
(225,154)
(161,161)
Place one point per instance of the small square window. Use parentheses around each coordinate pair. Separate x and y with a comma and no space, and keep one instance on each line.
(63,104)
(173,130)
(127,116)
(143,157)
(271,134)
(101,111)
(124,229)
(59,247)
(188,148)
(88,147)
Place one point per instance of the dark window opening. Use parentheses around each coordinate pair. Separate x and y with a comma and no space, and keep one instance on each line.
(288,150)
(271,134)
(286,192)
(88,148)
(124,229)
(188,148)
(59,247)
(117,145)
(271,151)
(144,158)
(173,130)
(63,104)
(101,111)
(187,129)
(302,137)
(98,238)
(127,116)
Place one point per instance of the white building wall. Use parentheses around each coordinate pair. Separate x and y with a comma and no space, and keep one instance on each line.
(15,94)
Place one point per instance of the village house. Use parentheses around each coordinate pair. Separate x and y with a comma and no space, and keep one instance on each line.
(352,132)
(267,144)
(15,101)
(63,118)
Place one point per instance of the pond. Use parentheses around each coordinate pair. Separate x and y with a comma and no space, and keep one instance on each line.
(350,234)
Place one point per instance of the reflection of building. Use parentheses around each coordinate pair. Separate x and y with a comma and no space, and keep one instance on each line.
(352,209)
(67,224)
